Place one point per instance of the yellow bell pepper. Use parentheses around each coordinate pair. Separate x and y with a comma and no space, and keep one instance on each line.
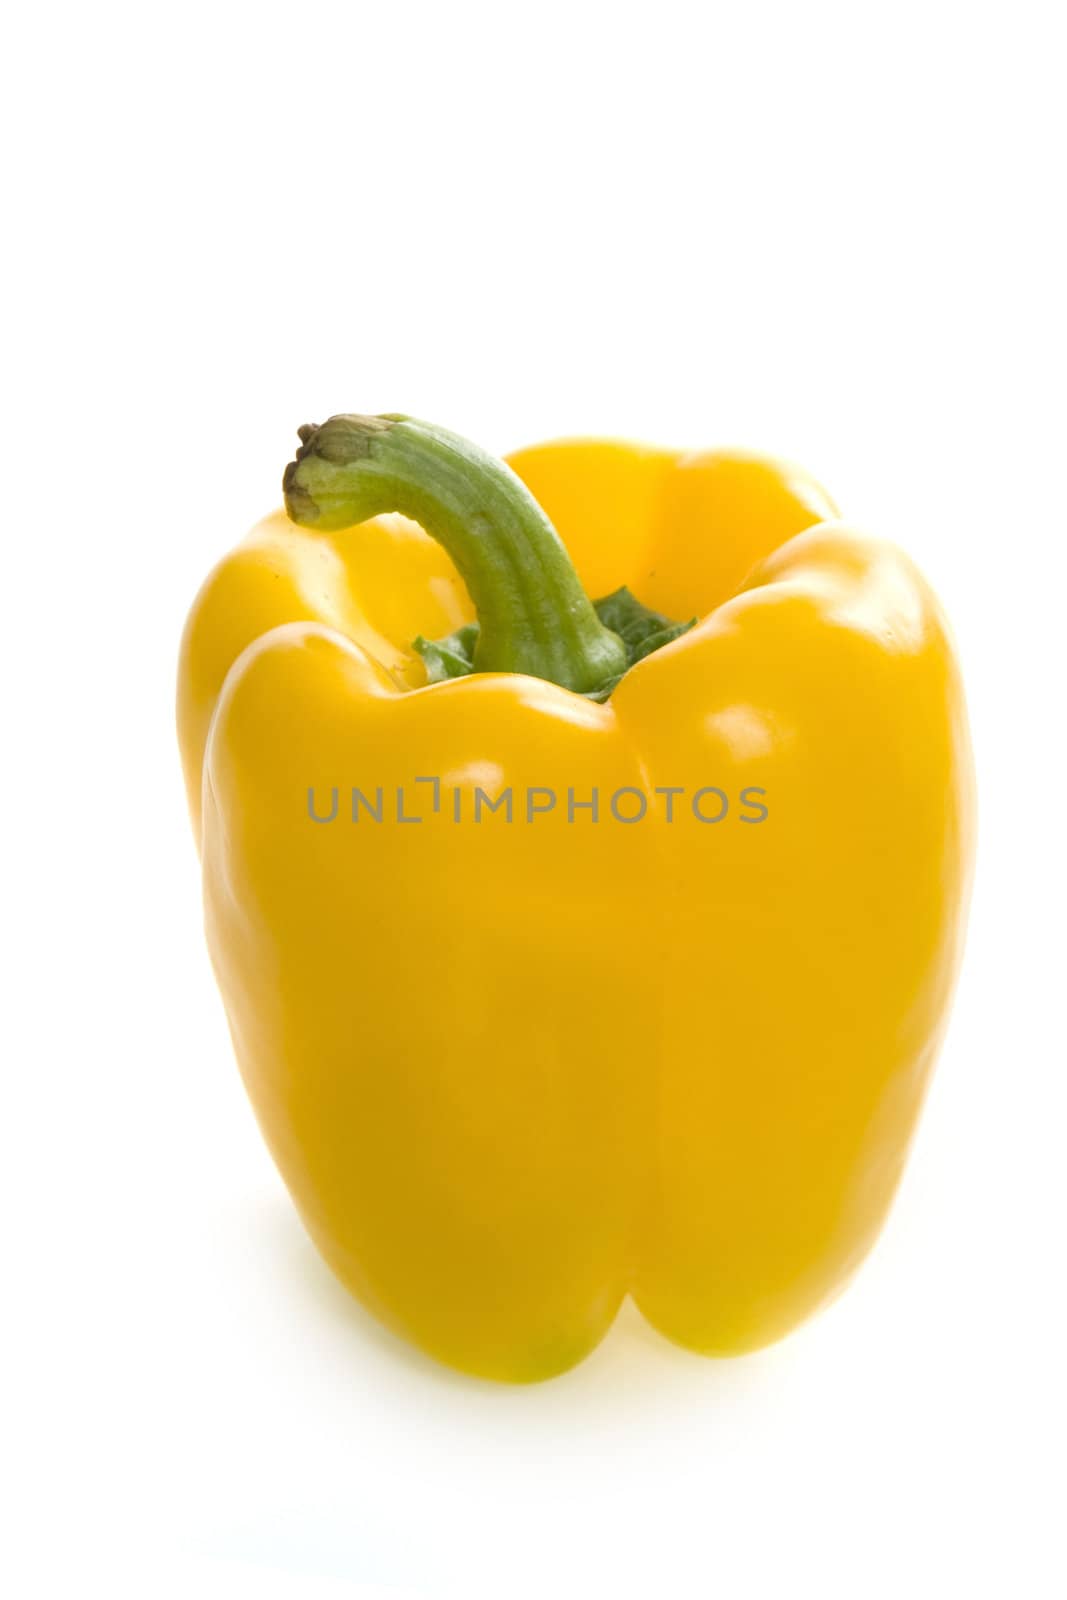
(581,953)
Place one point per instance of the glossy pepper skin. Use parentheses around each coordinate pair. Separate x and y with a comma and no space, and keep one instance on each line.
(512,1072)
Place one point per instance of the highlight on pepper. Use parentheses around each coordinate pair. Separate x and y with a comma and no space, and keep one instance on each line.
(515,1065)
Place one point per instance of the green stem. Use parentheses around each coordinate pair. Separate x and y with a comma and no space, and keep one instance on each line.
(535,617)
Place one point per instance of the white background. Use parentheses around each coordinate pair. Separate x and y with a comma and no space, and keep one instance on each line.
(830,230)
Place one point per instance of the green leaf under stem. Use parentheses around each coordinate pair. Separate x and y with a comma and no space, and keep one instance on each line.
(641,630)
(452,657)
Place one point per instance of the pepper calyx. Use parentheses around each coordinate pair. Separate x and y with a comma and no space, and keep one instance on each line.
(641,630)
